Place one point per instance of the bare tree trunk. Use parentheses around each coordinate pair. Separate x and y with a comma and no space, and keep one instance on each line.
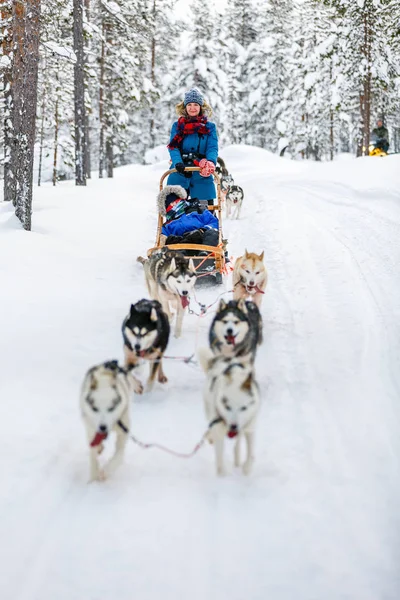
(42,120)
(56,127)
(26,30)
(101,103)
(41,139)
(109,157)
(365,96)
(153,75)
(6,26)
(88,166)
(79,96)
(331,136)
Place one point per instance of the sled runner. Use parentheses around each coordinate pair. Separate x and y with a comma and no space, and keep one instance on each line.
(209,261)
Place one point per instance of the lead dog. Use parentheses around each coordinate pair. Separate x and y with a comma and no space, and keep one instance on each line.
(249,277)
(170,279)
(231,400)
(104,401)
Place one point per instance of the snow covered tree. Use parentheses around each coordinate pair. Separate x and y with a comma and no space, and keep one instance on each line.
(239,32)
(56,90)
(6,75)
(200,65)
(370,67)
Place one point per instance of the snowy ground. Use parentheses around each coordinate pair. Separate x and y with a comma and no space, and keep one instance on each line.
(319,517)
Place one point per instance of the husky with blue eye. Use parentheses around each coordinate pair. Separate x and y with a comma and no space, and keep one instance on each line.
(231,399)
(104,401)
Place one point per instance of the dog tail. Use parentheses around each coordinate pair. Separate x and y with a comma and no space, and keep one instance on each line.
(141,260)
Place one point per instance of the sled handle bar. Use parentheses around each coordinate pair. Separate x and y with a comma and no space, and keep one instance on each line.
(188,169)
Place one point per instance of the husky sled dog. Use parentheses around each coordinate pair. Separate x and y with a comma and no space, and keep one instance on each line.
(221,169)
(234,200)
(226,182)
(104,401)
(170,278)
(249,277)
(146,333)
(236,329)
(231,399)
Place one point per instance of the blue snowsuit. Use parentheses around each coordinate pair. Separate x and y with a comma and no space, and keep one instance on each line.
(197,186)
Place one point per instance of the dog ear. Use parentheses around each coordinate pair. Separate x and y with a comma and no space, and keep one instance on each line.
(222,304)
(261,256)
(132,310)
(93,384)
(242,305)
(246,254)
(153,315)
(246,385)
(173,264)
(191,265)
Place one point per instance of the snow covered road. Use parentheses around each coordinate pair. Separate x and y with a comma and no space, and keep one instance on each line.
(318,518)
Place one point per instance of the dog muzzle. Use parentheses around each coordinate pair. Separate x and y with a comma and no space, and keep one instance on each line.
(232,432)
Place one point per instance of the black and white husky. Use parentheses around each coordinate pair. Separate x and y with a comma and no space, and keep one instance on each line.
(104,401)
(236,329)
(226,182)
(145,332)
(231,399)
(234,200)
(170,279)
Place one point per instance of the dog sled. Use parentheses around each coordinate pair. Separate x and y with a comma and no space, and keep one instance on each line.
(209,261)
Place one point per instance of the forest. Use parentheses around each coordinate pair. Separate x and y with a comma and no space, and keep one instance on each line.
(88,85)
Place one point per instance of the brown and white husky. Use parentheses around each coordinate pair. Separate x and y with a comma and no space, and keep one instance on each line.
(249,277)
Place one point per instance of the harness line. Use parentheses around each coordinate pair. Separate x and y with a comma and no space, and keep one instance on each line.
(146,446)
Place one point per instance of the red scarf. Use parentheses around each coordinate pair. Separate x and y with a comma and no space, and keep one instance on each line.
(187,126)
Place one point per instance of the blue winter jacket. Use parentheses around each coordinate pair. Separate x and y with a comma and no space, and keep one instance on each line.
(202,144)
(191,222)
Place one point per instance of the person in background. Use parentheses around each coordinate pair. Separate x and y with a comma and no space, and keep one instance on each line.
(194,142)
(380,136)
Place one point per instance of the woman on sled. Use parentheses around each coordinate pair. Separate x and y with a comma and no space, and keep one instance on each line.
(193,143)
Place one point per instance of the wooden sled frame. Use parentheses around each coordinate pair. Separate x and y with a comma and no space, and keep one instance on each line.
(216,253)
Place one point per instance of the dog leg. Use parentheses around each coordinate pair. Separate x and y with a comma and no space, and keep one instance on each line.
(154,368)
(161,375)
(179,320)
(247,466)
(120,444)
(219,455)
(132,361)
(237,452)
(94,464)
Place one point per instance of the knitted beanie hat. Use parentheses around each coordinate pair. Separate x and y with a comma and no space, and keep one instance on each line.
(193,95)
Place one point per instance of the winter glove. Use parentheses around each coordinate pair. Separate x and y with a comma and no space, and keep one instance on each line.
(207,167)
(180,167)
